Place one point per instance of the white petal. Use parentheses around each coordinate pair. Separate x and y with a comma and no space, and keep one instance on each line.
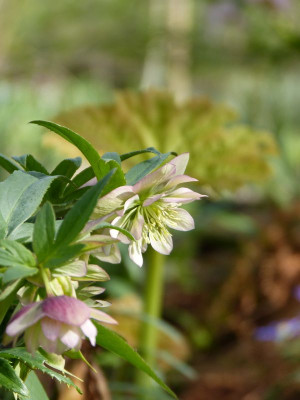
(102,316)
(89,329)
(178,180)
(156,178)
(162,244)
(180,162)
(70,336)
(183,196)
(137,226)
(182,221)
(135,252)
(152,199)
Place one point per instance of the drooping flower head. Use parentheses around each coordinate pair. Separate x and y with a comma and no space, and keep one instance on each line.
(151,206)
(57,324)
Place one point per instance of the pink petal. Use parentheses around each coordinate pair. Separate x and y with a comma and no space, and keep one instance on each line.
(24,318)
(51,328)
(89,329)
(163,174)
(152,199)
(102,316)
(66,309)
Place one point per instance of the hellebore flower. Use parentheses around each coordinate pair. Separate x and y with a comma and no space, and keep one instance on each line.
(56,324)
(151,206)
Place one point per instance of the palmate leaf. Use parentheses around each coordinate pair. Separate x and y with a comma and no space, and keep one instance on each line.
(114,343)
(224,154)
(10,380)
(36,361)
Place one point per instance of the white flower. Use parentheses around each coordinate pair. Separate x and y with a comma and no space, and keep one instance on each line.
(150,207)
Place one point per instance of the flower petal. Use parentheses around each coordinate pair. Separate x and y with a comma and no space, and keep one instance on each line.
(183,196)
(24,318)
(113,200)
(51,328)
(178,180)
(152,199)
(135,252)
(180,162)
(182,220)
(66,309)
(89,329)
(137,226)
(70,336)
(162,243)
(113,257)
(156,178)
(102,316)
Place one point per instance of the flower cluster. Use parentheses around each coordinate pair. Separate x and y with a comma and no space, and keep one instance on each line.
(57,303)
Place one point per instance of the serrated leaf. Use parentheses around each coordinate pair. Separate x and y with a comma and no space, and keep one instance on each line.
(114,343)
(125,156)
(82,144)
(83,177)
(79,214)
(144,168)
(44,232)
(63,254)
(18,272)
(35,361)
(14,254)
(10,380)
(34,165)
(8,164)
(22,233)
(20,196)
(66,168)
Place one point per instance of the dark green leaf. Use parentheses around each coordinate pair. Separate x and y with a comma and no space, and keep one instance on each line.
(63,254)
(79,214)
(82,144)
(8,164)
(20,196)
(142,169)
(44,232)
(125,156)
(67,167)
(34,165)
(10,380)
(82,178)
(36,361)
(114,343)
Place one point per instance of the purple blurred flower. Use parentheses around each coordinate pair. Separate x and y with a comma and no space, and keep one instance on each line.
(279,331)
(151,206)
(56,324)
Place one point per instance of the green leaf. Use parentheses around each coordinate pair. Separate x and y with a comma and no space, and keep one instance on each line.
(35,388)
(118,178)
(20,196)
(82,144)
(142,169)
(82,178)
(95,225)
(10,289)
(22,233)
(112,156)
(125,156)
(62,255)
(10,380)
(34,165)
(111,341)
(18,272)
(36,361)
(67,167)
(8,164)
(79,214)
(14,254)
(44,232)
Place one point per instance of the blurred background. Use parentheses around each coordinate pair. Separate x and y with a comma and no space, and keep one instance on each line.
(219,79)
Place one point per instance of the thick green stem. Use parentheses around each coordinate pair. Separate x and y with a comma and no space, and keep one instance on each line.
(46,281)
(152,308)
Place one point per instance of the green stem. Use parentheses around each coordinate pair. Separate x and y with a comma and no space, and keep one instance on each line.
(46,281)
(152,308)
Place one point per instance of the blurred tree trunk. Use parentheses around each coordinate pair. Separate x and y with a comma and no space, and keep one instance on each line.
(167,61)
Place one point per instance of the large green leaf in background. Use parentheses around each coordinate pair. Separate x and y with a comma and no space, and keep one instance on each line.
(20,196)
(114,343)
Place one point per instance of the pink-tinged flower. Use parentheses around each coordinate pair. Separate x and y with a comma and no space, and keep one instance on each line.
(151,206)
(57,324)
